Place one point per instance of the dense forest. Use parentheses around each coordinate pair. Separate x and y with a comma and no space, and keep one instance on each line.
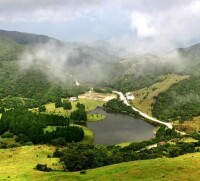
(181,102)
(29,127)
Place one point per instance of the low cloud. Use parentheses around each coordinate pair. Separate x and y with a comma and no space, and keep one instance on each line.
(69,62)
(49,58)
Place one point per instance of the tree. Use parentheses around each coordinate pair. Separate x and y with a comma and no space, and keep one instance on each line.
(74,160)
(2,110)
(80,106)
(43,167)
(67,105)
(79,115)
(42,109)
(58,103)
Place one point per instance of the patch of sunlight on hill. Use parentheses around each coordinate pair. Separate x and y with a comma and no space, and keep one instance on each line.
(189,126)
(145,97)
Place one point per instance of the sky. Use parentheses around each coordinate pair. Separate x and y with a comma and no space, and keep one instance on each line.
(142,26)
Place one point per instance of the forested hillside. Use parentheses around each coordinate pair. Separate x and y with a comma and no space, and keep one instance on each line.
(93,65)
(182,101)
(9,50)
(25,38)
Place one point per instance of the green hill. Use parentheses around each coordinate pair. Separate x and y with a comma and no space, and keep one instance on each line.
(17,164)
(181,102)
(9,50)
(26,38)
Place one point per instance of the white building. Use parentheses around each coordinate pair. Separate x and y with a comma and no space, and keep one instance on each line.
(73,99)
(129,96)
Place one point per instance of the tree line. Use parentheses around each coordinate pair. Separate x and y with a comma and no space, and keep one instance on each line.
(119,106)
(29,126)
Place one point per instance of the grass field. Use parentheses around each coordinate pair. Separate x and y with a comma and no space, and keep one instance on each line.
(189,126)
(89,105)
(8,141)
(145,97)
(95,117)
(17,164)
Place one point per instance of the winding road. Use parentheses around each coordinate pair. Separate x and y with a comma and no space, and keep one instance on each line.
(122,97)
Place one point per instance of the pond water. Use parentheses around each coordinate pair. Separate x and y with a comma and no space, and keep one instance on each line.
(117,128)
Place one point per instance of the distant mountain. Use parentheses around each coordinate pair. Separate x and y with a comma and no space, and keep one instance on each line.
(26,38)
(188,52)
(192,52)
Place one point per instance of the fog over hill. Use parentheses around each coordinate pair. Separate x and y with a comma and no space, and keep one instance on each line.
(26,38)
(92,62)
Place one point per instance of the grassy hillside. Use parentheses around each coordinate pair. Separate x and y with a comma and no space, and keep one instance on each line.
(89,105)
(18,164)
(144,98)
(189,126)
(180,102)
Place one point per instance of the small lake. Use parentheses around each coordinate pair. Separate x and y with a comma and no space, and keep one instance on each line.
(117,128)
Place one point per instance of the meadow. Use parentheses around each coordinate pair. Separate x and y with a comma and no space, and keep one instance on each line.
(17,164)
(144,98)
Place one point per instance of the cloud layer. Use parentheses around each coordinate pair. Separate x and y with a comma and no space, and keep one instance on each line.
(140,26)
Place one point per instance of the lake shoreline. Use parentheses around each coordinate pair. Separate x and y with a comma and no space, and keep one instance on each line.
(119,127)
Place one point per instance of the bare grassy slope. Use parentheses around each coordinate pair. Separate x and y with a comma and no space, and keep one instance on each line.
(145,97)
(18,164)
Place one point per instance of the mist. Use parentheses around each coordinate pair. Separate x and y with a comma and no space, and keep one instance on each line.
(68,62)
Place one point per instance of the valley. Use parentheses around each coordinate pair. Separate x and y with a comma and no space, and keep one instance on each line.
(63,111)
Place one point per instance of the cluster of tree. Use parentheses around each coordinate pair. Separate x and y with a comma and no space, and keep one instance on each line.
(195,135)
(79,157)
(29,126)
(65,104)
(119,106)
(11,102)
(42,108)
(21,121)
(63,135)
(180,102)
(162,134)
(52,119)
(43,167)
(79,114)
(102,90)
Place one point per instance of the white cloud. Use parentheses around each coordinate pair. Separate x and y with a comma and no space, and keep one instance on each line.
(158,30)
(151,25)
(143,24)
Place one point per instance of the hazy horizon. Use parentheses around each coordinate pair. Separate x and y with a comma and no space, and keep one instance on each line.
(146,26)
